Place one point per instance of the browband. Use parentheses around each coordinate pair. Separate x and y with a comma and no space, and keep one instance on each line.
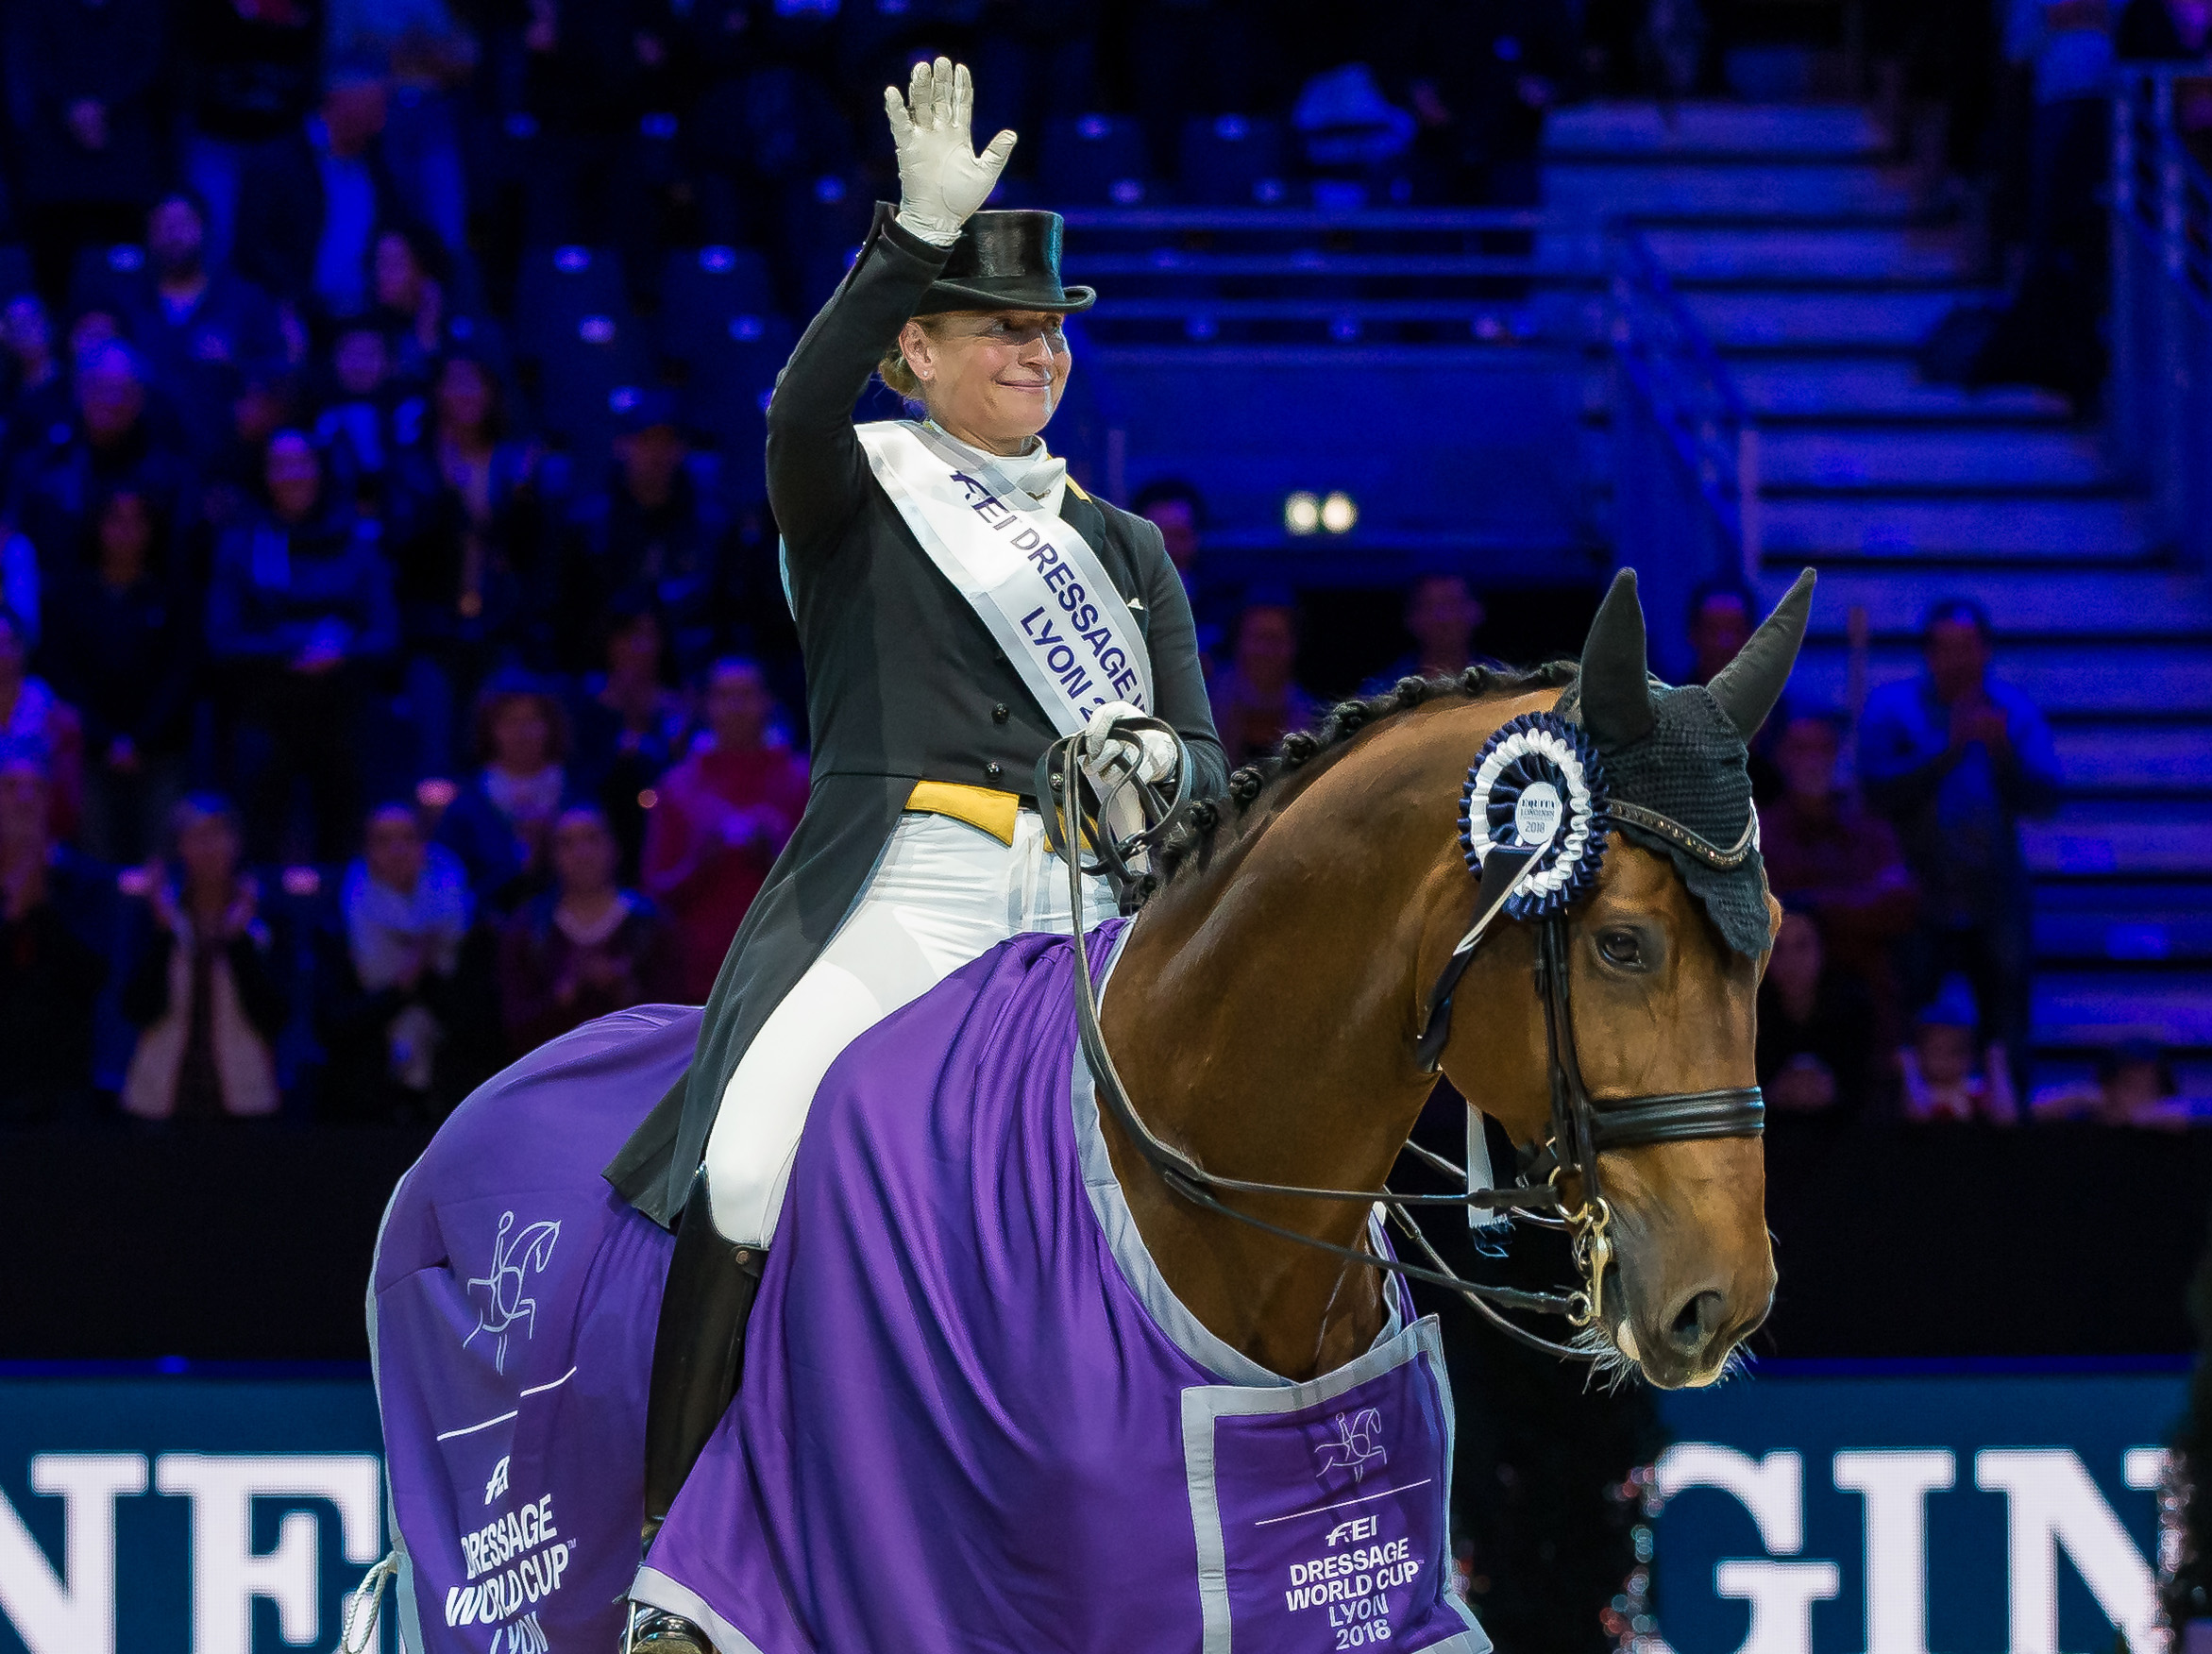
(1696,844)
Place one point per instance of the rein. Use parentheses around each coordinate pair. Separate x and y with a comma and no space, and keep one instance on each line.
(1540,879)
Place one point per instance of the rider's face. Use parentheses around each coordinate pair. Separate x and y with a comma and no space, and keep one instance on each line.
(992,376)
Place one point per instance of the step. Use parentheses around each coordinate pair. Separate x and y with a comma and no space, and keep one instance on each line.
(2099,1009)
(2061,602)
(1910,526)
(1745,318)
(1937,457)
(2091,840)
(2170,938)
(1641,127)
(1802,255)
(1677,189)
(2067,678)
(1888,388)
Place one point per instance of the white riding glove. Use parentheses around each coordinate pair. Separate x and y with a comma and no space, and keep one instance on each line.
(1104,752)
(941,179)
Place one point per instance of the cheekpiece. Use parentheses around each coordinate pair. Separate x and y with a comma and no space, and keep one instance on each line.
(1538,781)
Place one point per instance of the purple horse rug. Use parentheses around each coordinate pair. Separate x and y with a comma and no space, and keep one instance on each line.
(974,1417)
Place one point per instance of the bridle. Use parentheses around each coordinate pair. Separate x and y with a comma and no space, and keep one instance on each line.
(1535,859)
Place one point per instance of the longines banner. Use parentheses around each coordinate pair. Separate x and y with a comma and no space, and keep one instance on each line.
(1966,1513)
(1972,1513)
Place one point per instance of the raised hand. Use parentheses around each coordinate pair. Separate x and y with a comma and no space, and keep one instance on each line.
(942,178)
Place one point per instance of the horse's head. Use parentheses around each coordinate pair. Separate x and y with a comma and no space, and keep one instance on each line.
(1663,957)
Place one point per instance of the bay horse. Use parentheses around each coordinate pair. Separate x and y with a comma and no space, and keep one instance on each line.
(1265,1011)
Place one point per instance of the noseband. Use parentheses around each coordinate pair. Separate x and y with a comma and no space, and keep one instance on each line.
(1534,823)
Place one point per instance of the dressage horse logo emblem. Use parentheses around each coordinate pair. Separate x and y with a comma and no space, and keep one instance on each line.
(504,1302)
(1358,1444)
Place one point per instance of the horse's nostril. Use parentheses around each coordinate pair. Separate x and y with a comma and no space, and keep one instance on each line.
(1696,1322)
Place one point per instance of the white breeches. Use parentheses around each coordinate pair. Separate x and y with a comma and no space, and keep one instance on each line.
(942,892)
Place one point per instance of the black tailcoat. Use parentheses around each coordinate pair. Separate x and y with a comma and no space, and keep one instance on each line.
(903,684)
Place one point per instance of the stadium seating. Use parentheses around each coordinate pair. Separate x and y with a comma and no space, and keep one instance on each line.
(1095,160)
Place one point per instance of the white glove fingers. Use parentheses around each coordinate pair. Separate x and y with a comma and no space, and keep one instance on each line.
(918,95)
(963,102)
(941,101)
(895,111)
(994,156)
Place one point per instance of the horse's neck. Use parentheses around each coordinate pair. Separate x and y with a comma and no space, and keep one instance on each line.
(1263,1015)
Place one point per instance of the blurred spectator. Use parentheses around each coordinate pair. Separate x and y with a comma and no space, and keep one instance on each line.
(2134,1086)
(1826,854)
(466,535)
(36,389)
(1722,613)
(1486,79)
(498,823)
(2162,31)
(586,947)
(426,53)
(204,332)
(203,988)
(51,914)
(2049,334)
(1955,758)
(653,530)
(110,445)
(23,586)
(300,602)
(719,820)
(37,724)
(253,81)
(1256,701)
(1353,137)
(85,96)
(1949,1073)
(629,723)
(1443,616)
(367,423)
(1817,1037)
(312,201)
(407,909)
(410,303)
(124,647)
(1174,506)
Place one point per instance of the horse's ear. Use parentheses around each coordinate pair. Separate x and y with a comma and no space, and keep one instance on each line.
(1615,694)
(1748,686)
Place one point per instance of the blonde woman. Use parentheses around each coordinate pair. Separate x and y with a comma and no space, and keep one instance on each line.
(962,604)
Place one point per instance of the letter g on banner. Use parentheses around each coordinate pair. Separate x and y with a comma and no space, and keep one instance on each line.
(1772,1489)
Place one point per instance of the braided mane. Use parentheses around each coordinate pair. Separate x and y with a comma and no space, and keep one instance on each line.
(1204,822)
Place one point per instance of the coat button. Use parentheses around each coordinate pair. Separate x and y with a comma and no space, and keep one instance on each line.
(999,713)
(993,771)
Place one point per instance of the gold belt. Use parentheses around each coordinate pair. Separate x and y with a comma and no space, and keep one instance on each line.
(983,807)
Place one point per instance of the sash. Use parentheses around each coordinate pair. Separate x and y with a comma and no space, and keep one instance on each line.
(1028,575)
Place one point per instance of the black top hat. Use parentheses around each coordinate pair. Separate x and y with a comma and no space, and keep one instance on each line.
(1006,260)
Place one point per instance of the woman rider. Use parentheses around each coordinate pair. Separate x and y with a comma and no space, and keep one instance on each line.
(962,604)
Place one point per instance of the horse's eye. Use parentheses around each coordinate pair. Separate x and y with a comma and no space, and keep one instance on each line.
(1624,947)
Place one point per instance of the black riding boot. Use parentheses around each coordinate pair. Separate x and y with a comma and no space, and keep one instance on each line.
(699,1353)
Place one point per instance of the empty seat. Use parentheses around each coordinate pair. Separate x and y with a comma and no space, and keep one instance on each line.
(582,377)
(559,288)
(727,384)
(103,275)
(15,270)
(1095,160)
(1232,161)
(704,290)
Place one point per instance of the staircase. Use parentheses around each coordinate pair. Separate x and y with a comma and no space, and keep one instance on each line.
(1799,245)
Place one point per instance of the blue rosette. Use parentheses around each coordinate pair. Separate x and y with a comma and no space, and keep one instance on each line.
(1538,782)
